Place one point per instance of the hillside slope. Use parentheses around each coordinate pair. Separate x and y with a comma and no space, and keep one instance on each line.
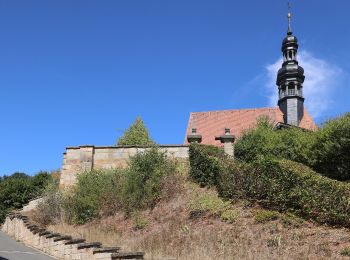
(194,223)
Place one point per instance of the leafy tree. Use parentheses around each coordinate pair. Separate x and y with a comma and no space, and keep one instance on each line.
(19,188)
(137,134)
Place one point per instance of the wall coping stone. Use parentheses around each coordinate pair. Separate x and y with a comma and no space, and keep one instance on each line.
(33,227)
(106,250)
(123,255)
(89,245)
(43,233)
(53,235)
(127,146)
(62,237)
(38,230)
(75,241)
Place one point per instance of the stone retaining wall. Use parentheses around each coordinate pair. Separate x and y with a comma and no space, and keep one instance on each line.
(59,246)
(88,157)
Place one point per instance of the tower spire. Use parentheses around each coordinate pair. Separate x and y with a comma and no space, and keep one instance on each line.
(289,16)
(290,79)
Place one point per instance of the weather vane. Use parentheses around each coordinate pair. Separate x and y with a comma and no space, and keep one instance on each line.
(289,18)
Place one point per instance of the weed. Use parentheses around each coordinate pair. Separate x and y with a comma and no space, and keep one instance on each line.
(207,201)
(345,251)
(229,216)
(263,216)
(290,220)
(140,222)
(274,242)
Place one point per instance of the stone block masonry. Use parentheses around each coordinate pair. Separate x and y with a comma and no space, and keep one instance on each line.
(60,246)
(88,157)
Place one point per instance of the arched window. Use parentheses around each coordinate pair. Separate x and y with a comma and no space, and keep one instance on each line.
(290,55)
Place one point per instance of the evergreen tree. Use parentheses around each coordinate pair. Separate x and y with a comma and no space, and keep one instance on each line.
(137,134)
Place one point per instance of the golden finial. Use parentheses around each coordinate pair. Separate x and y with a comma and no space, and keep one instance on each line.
(289,18)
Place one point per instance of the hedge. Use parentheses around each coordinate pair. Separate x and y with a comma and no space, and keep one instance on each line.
(281,185)
(204,161)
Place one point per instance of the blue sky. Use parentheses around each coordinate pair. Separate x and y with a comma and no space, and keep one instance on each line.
(79,72)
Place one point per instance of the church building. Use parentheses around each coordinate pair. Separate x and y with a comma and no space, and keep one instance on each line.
(217,127)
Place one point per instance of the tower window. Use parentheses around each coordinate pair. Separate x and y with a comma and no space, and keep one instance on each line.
(291,89)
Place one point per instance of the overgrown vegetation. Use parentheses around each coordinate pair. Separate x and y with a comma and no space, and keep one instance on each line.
(105,192)
(331,149)
(136,134)
(204,160)
(19,188)
(293,143)
(326,150)
(207,202)
(281,185)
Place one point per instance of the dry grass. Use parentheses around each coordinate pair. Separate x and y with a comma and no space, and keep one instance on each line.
(173,233)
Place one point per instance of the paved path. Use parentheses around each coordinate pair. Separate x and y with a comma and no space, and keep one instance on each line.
(12,250)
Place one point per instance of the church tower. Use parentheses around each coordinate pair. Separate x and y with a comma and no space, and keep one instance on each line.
(290,79)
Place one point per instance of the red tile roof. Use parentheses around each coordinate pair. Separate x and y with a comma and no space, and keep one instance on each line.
(212,123)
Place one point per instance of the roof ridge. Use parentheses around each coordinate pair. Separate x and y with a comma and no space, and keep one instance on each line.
(260,108)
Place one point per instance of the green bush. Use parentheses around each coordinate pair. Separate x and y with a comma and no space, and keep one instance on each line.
(204,161)
(19,188)
(287,186)
(291,143)
(143,179)
(332,148)
(104,192)
(281,185)
(137,134)
(326,150)
(88,195)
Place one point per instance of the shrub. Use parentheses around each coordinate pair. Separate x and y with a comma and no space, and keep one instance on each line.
(288,186)
(86,199)
(332,148)
(137,134)
(291,143)
(326,150)
(204,161)
(111,198)
(143,179)
(50,210)
(104,192)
